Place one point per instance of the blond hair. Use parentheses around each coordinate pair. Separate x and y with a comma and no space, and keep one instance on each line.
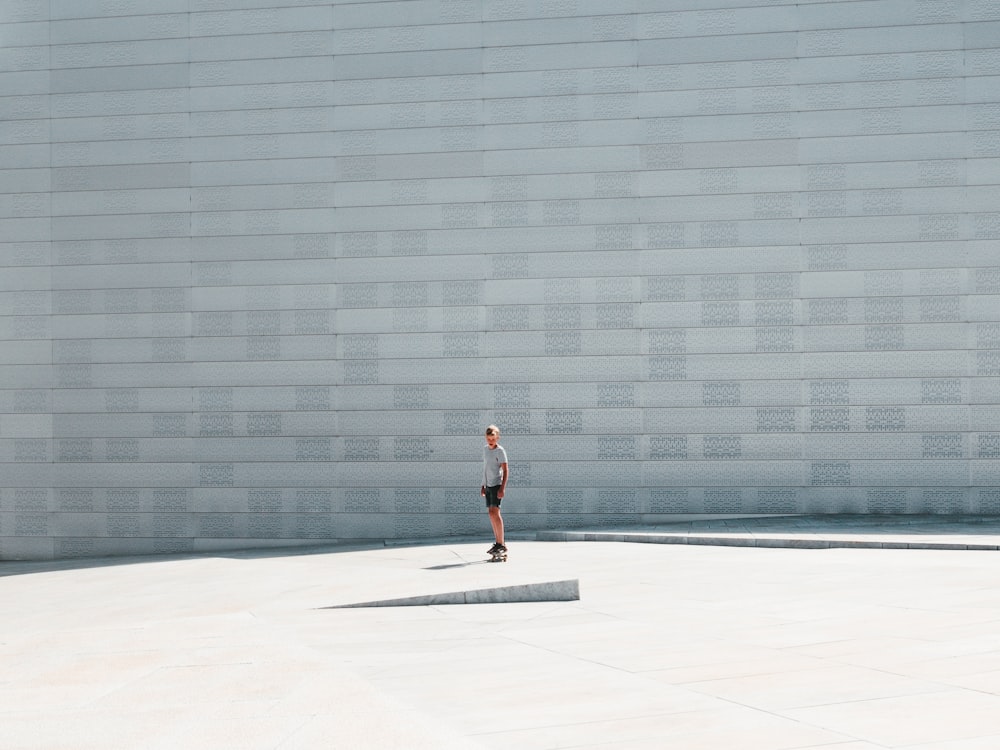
(493,430)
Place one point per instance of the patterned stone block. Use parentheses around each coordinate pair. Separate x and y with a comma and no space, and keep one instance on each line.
(563,421)
(722,394)
(723,500)
(885,418)
(722,446)
(830,419)
(670,501)
(616,447)
(830,473)
(668,368)
(668,447)
(564,501)
(988,445)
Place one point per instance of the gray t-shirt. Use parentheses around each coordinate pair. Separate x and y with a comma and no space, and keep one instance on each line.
(491,465)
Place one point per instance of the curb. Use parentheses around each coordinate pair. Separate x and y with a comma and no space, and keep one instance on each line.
(752,541)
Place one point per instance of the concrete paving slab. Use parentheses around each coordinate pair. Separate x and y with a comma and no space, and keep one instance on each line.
(902,721)
(976,743)
(680,646)
(813,687)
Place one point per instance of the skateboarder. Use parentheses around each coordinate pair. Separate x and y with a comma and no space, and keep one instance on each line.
(495,476)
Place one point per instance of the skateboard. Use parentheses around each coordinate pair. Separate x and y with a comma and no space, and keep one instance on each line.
(498,556)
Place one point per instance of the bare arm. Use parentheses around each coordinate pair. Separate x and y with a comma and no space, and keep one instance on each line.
(505,472)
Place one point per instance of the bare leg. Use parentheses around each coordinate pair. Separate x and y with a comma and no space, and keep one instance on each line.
(496,521)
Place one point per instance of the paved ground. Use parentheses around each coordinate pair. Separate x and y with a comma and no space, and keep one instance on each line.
(670,645)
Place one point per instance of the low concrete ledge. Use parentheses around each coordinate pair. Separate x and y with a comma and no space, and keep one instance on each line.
(805,541)
(552,591)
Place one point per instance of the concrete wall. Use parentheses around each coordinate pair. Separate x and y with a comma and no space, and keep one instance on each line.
(268,267)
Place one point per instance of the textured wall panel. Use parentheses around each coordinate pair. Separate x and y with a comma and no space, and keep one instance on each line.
(267,270)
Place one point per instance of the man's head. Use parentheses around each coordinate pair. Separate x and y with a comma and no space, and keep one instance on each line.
(492,435)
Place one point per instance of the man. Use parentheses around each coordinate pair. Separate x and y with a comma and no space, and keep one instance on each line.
(495,476)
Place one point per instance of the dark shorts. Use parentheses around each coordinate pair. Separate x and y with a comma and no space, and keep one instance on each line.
(491,497)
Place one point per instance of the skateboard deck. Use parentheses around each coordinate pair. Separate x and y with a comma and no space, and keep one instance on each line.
(498,557)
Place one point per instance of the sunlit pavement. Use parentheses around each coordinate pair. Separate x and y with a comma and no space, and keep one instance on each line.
(680,645)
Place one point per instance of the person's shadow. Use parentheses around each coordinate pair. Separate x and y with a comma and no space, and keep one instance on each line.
(456,565)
